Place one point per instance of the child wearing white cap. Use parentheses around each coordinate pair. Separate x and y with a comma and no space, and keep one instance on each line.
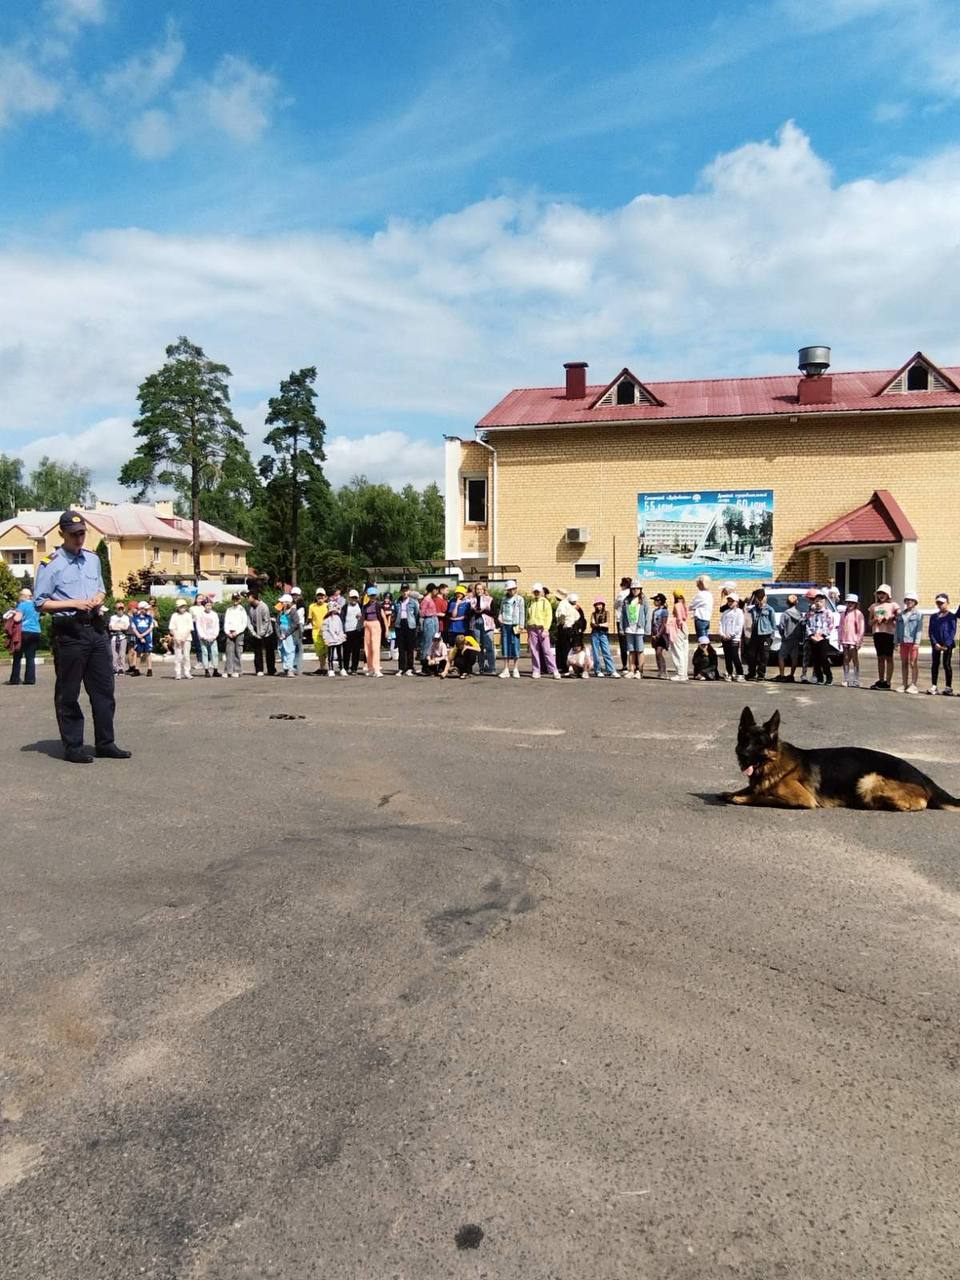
(512,619)
(852,623)
(908,633)
(352,618)
(181,633)
(287,624)
(706,665)
(943,637)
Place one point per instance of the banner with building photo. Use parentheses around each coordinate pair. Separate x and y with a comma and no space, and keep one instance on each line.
(726,533)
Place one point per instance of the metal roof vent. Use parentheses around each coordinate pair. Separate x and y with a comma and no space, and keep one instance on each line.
(813,361)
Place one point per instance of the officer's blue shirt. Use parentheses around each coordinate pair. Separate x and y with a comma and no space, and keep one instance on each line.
(66,575)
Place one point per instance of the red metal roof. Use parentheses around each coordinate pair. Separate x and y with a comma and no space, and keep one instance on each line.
(715,398)
(879,520)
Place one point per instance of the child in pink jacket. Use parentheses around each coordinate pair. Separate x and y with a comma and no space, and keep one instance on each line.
(851,638)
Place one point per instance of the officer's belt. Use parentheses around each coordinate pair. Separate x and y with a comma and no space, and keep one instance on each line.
(74,619)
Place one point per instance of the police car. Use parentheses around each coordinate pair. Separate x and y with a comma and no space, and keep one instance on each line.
(777,593)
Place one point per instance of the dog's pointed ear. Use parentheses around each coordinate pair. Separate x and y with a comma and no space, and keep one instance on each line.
(773,724)
(746,719)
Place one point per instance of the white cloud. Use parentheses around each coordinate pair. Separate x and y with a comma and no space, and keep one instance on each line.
(420,328)
(24,90)
(238,99)
(71,14)
(141,77)
(153,134)
(148,99)
(103,447)
(384,457)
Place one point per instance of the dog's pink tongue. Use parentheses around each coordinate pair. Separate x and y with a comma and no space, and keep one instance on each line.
(748,770)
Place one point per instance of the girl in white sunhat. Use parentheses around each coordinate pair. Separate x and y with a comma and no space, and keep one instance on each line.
(513,617)
(181,633)
(852,623)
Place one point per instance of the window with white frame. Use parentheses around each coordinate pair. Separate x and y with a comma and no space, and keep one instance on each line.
(156,555)
(236,559)
(475,499)
(175,556)
(223,558)
(21,557)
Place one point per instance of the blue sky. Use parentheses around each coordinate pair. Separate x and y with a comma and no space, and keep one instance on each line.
(434,203)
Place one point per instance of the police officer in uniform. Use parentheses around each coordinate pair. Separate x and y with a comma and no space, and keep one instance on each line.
(69,587)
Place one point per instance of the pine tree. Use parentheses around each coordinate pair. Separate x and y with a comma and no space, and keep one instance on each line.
(294,467)
(187,429)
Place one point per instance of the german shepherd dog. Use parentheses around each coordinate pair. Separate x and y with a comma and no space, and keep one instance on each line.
(787,777)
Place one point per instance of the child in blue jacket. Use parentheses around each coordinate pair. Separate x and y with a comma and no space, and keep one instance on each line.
(943,637)
(908,633)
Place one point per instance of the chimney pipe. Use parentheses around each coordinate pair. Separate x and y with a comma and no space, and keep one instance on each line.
(817,390)
(576,379)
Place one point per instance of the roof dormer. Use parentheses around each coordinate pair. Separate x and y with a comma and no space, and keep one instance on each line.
(626,388)
(918,374)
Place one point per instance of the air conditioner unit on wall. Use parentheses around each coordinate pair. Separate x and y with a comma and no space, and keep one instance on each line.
(578,534)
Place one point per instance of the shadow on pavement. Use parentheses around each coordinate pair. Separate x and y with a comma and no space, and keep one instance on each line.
(46,747)
(708,797)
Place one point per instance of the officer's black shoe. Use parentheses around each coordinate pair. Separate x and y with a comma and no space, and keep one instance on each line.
(113,752)
(77,755)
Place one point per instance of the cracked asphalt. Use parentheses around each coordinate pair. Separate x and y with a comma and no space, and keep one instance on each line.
(472,980)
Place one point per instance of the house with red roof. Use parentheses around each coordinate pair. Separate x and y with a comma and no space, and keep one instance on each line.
(791,477)
(137,536)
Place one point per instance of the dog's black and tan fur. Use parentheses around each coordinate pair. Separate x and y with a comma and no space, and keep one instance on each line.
(788,777)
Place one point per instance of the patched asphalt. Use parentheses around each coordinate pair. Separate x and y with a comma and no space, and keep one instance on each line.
(472,980)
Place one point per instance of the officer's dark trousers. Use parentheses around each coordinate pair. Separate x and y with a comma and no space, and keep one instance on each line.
(82,656)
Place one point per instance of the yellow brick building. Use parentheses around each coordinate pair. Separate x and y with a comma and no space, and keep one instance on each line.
(137,537)
(572,484)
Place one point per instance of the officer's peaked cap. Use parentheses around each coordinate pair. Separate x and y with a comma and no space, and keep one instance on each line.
(72,520)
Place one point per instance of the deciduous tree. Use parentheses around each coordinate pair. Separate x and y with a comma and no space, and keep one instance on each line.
(57,486)
(13,490)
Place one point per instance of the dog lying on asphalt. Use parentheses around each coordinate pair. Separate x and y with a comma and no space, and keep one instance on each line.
(787,777)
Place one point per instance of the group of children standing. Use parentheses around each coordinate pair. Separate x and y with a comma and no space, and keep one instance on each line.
(453,636)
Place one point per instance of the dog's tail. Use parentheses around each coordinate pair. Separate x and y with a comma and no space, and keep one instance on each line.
(940,799)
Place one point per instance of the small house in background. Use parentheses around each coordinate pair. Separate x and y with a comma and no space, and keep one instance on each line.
(791,478)
(137,536)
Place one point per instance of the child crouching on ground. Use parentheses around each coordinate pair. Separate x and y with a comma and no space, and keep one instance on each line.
(705,664)
(579,662)
(436,662)
(466,650)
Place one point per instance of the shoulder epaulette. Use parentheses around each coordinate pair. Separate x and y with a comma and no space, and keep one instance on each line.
(46,559)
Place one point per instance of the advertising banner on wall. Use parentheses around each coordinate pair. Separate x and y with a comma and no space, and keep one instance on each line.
(721,532)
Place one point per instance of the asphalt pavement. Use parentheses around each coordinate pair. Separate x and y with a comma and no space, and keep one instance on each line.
(472,980)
